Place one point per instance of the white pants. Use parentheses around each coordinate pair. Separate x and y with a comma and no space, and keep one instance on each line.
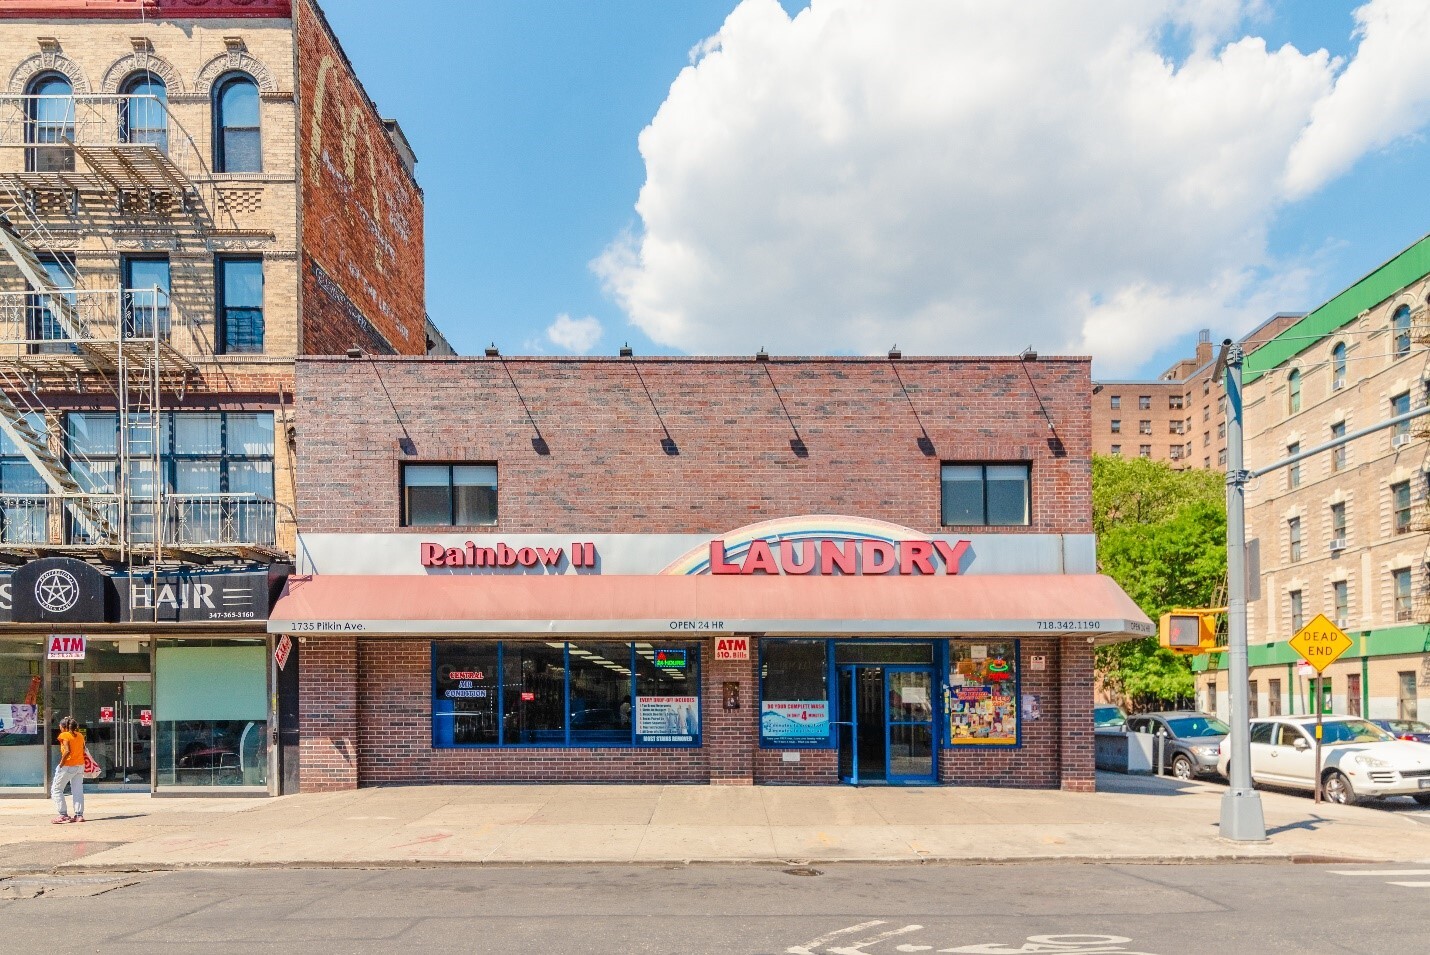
(74,777)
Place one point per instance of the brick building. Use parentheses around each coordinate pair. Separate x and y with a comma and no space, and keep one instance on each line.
(1345,532)
(723,570)
(1178,417)
(193,193)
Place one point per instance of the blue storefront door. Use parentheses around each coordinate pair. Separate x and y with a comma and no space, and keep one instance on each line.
(885,724)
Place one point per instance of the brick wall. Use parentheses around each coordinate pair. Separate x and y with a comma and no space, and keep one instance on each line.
(328,715)
(1078,765)
(362,244)
(730,423)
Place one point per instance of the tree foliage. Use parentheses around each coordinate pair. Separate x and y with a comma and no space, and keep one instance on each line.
(1162,537)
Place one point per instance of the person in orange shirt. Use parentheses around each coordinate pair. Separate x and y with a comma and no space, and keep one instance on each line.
(70,772)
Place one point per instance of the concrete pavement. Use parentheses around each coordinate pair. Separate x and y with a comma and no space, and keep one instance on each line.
(1129,819)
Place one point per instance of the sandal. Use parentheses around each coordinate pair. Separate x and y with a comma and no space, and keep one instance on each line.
(60,820)
(76,818)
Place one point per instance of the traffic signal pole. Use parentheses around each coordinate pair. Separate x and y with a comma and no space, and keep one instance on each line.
(1241,816)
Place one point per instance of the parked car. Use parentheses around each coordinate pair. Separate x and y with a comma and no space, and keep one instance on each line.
(1406,729)
(1359,760)
(1191,740)
(1108,718)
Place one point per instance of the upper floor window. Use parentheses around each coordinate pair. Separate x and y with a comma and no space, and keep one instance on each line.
(449,495)
(1116,401)
(1144,450)
(1293,392)
(146,296)
(44,329)
(1400,329)
(1400,506)
(987,494)
(1340,598)
(1298,611)
(1293,538)
(1338,364)
(1117,450)
(1116,425)
(1338,453)
(49,124)
(1399,405)
(1338,522)
(240,305)
(237,143)
(1293,472)
(1400,581)
(1144,402)
(143,119)
(1144,426)
(1174,401)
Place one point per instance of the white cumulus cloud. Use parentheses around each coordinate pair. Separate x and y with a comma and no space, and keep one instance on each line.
(577,335)
(971,177)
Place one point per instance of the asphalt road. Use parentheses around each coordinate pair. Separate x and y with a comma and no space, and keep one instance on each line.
(832,910)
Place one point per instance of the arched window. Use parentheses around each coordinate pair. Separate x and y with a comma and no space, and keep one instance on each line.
(49,124)
(143,118)
(237,145)
(1338,365)
(1293,392)
(1400,328)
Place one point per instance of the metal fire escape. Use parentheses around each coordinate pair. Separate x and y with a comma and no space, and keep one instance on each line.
(66,161)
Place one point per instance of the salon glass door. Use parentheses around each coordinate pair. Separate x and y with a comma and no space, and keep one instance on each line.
(115,711)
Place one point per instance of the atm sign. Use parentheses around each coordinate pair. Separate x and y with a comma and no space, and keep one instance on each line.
(732,648)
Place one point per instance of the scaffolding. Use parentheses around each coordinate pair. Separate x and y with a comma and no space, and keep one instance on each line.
(63,158)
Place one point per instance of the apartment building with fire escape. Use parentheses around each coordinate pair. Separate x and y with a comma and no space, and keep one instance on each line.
(1345,532)
(193,194)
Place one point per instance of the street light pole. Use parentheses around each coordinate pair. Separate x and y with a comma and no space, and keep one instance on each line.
(1241,816)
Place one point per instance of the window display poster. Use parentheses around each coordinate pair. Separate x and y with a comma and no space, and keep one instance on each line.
(981,695)
(19,719)
(667,719)
(794,719)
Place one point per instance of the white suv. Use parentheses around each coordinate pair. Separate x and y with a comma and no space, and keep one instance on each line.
(1359,760)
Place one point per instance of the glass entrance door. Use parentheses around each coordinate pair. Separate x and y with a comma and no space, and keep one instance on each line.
(886,724)
(115,710)
(909,718)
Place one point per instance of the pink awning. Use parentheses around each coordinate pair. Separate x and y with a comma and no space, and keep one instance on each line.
(1083,605)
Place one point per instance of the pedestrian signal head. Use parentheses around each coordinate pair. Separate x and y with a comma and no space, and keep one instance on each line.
(1188,631)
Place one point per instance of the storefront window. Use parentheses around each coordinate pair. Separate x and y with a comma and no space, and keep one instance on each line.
(981,695)
(565,694)
(22,717)
(794,693)
(211,713)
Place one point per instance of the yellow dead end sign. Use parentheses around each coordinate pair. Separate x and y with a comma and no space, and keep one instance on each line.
(1320,642)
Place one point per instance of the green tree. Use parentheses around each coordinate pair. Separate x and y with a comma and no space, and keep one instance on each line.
(1162,537)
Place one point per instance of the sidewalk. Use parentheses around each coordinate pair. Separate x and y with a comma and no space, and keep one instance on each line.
(1132,819)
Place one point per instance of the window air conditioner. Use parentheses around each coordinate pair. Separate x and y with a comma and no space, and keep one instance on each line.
(1338,384)
(1400,441)
(1338,544)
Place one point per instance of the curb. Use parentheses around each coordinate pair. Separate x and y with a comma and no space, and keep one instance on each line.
(381,864)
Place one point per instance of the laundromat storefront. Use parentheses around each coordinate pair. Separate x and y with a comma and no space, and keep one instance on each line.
(852,653)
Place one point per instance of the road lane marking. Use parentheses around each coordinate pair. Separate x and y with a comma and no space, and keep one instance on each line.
(808,947)
(858,947)
(1412,885)
(1380,872)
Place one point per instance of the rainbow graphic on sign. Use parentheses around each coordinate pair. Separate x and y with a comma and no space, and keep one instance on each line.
(809,527)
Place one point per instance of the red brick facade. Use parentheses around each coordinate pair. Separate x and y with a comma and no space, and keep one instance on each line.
(665,446)
(363,253)
(730,421)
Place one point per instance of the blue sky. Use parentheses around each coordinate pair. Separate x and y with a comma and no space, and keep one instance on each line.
(525,115)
